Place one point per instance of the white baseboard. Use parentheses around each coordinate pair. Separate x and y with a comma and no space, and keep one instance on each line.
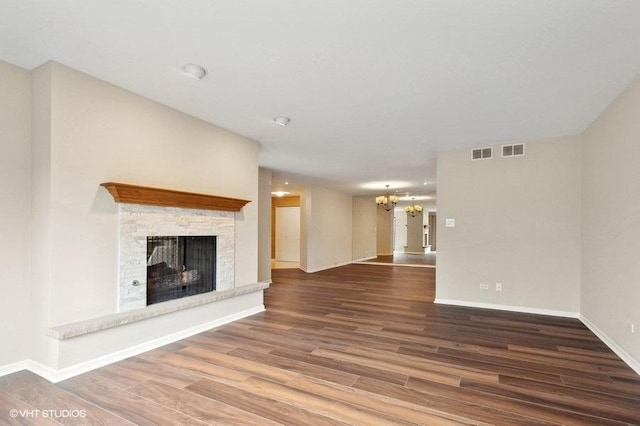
(324,268)
(403,265)
(363,259)
(14,367)
(628,359)
(55,376)
(45,371)
(564,314)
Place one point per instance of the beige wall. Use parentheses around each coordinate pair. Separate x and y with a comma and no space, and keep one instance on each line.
(15,171)
(42,349)
(264,226)
(325,229)
(517,223)
(364,227)
(87,132)
(414,231)
(400,232)
(101,133)
(384,233)
(611,222)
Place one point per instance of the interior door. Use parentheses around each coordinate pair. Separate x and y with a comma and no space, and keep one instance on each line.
(288,234)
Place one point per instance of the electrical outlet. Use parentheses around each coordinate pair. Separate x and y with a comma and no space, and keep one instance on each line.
(484,286)
(498,286)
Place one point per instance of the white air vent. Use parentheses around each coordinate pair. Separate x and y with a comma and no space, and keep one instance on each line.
(516,150)
(482,153)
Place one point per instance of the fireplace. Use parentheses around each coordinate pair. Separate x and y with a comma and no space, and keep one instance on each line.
(179,266)
(157,212)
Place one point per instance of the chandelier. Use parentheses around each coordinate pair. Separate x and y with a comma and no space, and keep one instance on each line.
(387,201)
(413,210)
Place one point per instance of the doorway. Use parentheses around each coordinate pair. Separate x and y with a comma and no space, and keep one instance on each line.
(432,231)
(287,234)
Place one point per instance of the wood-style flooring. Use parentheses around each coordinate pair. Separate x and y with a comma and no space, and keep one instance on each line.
(408,259)
(358,345)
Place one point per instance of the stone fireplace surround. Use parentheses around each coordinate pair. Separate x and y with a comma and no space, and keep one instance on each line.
(137,222)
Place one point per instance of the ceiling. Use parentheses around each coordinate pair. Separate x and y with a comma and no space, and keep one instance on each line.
(374,88)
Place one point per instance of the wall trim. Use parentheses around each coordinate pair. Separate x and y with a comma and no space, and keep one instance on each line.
(409,265)
(324,268)
(55,376)
(522,309)
(363,259)
(14,367)
(624,355)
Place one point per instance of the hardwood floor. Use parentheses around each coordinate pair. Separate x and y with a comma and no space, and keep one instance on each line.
(409,259)
(359,344)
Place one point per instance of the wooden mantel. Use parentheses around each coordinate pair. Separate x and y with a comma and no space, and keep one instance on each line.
(134,194)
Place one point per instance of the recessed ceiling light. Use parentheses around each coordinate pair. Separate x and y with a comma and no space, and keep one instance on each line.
(416,198)
(282,121)
(194,71)
(381,185)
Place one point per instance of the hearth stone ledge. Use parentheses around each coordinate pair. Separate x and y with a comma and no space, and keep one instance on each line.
(79,328)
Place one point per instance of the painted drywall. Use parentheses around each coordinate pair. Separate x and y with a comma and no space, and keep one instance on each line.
(364,227)
(41,349)
(611,222)
(287,234)
(305,223)
(86,132)
(384,234)
(325,229)
(264,225)
(415,232)
(517,222)
(15,205)
(101,133)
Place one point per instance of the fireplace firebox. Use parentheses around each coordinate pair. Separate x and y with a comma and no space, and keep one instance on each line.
(180,266)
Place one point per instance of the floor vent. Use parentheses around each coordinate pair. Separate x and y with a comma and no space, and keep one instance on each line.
(482,153)
(516,150)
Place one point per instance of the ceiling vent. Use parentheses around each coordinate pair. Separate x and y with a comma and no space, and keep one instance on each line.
(516,150)
(482,153)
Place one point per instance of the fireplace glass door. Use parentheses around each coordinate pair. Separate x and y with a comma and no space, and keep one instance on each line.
(179,266)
